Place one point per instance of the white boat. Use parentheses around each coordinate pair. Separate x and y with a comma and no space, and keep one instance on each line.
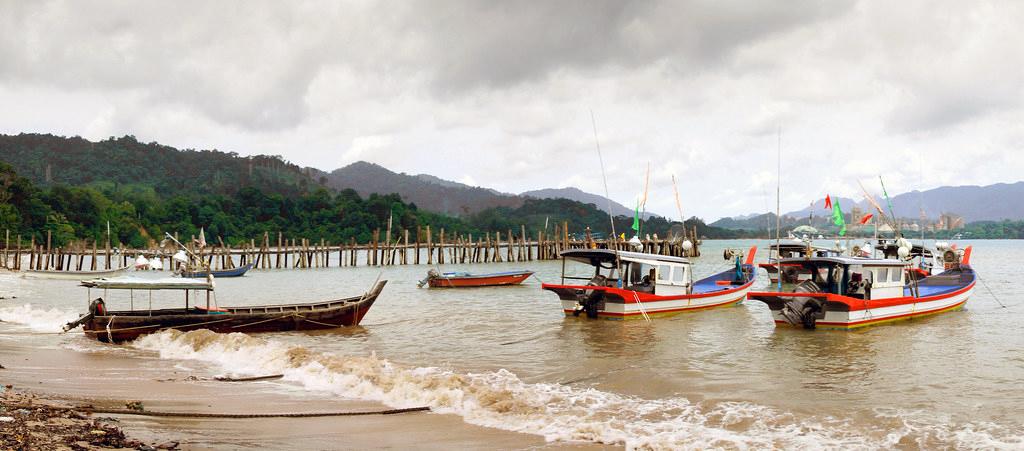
(73,275)
(640,285)
(850,292)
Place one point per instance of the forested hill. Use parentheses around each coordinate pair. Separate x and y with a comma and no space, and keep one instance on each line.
(427,192)
(49,160)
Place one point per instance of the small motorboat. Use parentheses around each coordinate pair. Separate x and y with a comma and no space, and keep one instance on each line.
(852,292)
(117,326)
(630,285)
(464,279)
(73,275)
(233,272)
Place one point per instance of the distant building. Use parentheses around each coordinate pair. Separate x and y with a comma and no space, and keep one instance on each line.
(950,221)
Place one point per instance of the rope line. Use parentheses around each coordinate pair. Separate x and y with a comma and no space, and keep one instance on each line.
(990,292)
(91,409)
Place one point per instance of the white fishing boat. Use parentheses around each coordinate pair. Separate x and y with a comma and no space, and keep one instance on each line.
(73,275)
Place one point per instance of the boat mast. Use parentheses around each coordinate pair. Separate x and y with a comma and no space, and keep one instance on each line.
(607,197)
(778,208)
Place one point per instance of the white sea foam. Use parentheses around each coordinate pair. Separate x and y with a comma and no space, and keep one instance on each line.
(37,319)
(558,412)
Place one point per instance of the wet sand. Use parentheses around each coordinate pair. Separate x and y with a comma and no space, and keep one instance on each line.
(110,381)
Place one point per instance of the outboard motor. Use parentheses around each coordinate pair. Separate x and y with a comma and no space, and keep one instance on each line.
(590,300)
(96,307)
(431,275)
(804,310)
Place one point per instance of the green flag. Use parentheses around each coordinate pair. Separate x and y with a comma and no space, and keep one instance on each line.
(636,218)
(887,199)
(837,217)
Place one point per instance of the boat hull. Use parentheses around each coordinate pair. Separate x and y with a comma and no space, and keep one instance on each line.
(620,304)
(126,326)
(235,272)
(73,275)
(479,281)
(849,313)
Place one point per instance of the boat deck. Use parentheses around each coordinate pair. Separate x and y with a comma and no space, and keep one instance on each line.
(718,281)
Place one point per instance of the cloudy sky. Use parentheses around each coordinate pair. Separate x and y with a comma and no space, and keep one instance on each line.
(500,94)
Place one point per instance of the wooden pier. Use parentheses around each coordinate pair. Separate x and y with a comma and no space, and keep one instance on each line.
(422,246)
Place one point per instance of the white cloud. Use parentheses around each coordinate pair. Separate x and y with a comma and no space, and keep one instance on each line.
(924,94)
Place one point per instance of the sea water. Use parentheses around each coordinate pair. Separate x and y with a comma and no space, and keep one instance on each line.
(508,358)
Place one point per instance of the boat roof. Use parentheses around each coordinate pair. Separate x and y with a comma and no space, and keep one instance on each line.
(138,283)
(594,256)
(842,260)
(891,247)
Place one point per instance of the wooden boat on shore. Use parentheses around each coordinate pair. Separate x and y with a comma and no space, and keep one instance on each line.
(73,275)
(233,272)
(630,285)
(850,292)
(125,325)
(465,279)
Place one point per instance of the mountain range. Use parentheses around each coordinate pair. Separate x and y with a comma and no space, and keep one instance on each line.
(445,196)
(974,203)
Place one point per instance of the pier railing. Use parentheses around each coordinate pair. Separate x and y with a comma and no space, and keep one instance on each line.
(423,247)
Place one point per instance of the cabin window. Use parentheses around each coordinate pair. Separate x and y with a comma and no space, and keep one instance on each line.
(679,275)
(896,273)
(663,272)
(883,274)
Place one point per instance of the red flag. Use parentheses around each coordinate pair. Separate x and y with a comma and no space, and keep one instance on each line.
(866,218)
(828,202)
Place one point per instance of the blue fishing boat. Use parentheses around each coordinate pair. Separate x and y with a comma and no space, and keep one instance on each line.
(234,272)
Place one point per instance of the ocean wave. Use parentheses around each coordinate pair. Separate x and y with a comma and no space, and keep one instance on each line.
(558,412)
(37,319)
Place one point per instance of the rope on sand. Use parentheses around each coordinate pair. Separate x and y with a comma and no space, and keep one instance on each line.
(253,415)
(94,410)
(248,379)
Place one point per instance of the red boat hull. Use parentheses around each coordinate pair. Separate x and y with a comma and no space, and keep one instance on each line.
(479,281)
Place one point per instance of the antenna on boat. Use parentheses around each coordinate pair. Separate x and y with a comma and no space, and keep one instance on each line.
(607,196)
(687,245)
(604,177)
(778,208)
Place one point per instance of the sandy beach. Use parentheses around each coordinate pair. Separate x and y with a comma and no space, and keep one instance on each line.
(69,378)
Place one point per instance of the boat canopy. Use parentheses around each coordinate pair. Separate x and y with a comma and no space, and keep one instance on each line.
(598,257)
(137,283)
(891,250)
(846,261)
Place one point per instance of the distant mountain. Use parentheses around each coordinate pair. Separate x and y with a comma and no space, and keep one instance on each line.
(445,196)
(819,207)
(975,203)
(426,191)
(582,196)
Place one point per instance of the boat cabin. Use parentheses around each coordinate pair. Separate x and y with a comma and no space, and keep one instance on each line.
(863,278)
(648,273)
(794,250)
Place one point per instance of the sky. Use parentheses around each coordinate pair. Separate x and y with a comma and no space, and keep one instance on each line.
(508,95)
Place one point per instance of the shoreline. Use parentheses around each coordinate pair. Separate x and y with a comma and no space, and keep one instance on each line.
(69,378)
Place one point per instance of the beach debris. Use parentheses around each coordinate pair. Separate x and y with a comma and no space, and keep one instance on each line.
(37,423)
(3,367)
(167,445)
(134,405)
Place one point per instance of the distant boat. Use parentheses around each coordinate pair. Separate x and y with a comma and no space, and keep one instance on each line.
(850,292)
(465,279)
(629,285)
(125,325)
(234,272)
(73,275)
